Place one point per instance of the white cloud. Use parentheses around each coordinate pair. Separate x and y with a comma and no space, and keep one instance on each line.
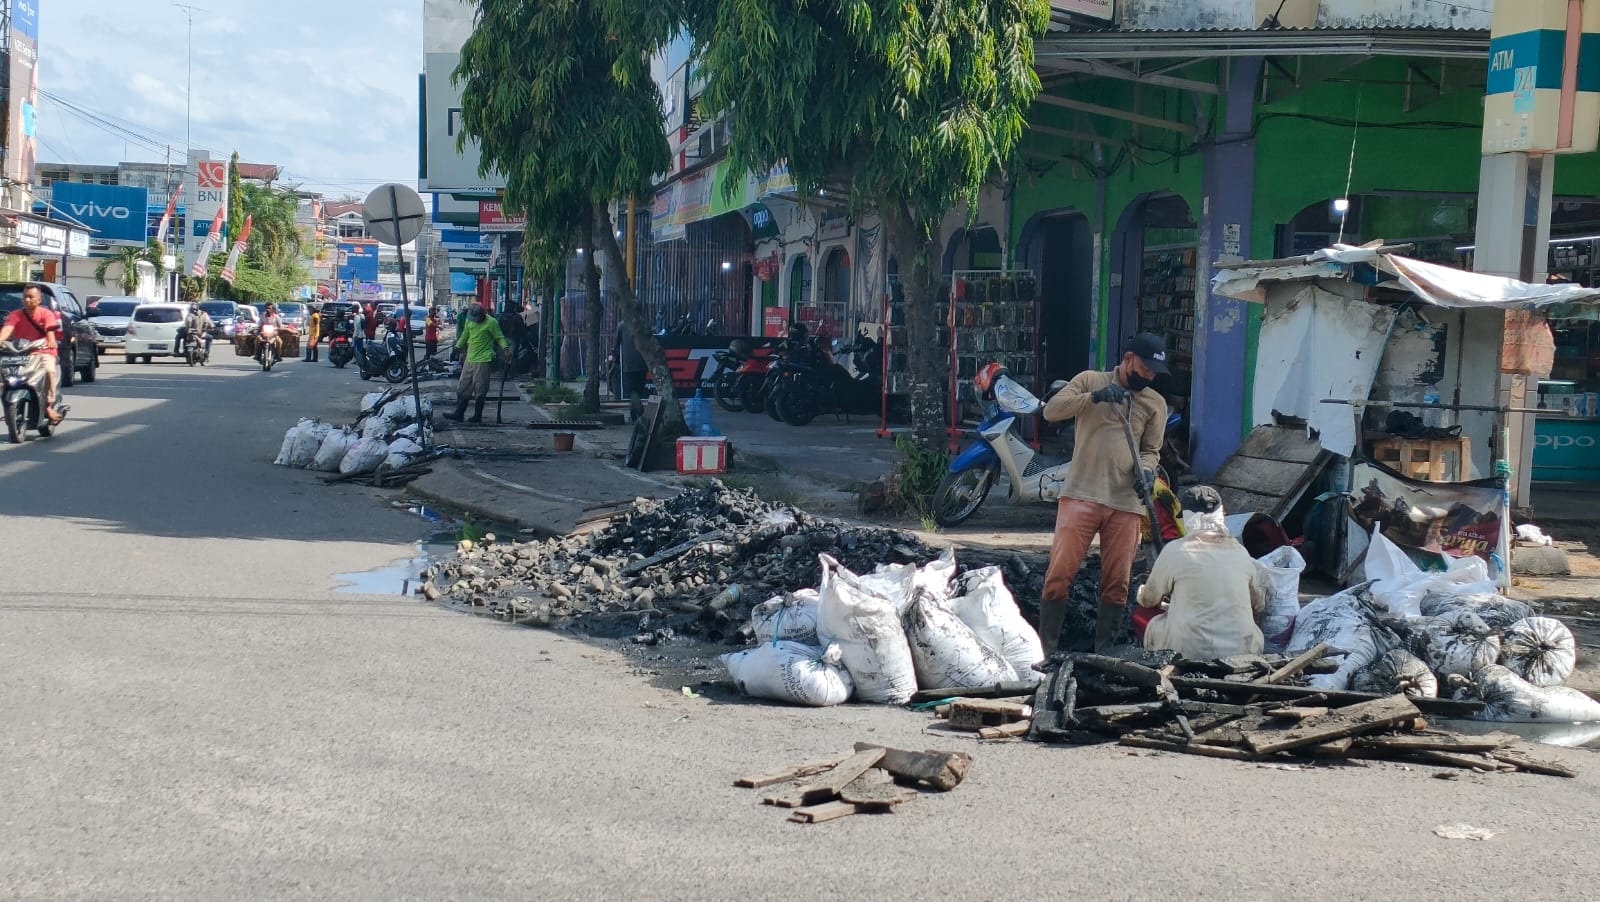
(325,88)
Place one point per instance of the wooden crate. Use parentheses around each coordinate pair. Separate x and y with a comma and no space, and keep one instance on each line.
(1432,460)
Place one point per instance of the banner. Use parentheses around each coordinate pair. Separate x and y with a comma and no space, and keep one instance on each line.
(1460,519)
(166,218)
(22,150)
(358,260)
(230,269)
(209,246)
(206,183)
(115,214)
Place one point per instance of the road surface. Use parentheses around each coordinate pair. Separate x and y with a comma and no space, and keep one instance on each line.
(188,710)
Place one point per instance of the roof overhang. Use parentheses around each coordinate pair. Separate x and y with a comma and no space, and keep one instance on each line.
(1130,45)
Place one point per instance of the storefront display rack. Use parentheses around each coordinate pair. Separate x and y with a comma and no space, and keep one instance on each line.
(1166,306)
(994,318)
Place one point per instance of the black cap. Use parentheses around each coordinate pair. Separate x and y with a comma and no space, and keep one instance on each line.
(1152,349)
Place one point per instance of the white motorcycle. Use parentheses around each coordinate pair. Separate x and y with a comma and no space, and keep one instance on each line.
(1000,450)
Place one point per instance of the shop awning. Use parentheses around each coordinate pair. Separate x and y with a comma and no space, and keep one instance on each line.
(1404,42)
(1442,286)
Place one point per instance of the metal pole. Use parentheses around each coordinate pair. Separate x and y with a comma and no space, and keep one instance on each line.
(633,240)
(405,330)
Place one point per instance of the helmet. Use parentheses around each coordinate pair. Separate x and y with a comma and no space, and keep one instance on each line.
(194,307)
(799,331)
(741,346)
(986,378)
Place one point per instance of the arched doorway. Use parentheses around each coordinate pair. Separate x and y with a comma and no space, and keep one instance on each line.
(1159,266)
(1059,247)
(799,299)
(834,302)
(977,248)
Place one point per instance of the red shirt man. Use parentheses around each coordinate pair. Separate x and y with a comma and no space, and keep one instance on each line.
(369,322)
(33,322)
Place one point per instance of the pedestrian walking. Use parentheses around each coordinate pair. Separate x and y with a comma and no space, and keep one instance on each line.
(430,333)
(369,321)
(480,337)
(1099,495)
(631,364)
(313,336)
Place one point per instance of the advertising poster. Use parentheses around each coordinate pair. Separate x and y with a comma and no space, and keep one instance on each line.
(206,187)
(358,261)
(1460,519)
(22,151)
(115,214)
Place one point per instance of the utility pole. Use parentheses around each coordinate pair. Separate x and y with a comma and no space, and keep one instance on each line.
(188,92)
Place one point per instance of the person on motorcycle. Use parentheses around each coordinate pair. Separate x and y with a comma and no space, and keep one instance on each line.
(1099,494)
(479,338)
(35,322)
(198,322)
(271,318)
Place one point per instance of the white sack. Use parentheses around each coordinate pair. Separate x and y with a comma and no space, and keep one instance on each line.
(787,618)
(1509,698)
(1541,650)
(405,408)
(1498,611)
(333,450)
(946,652)
(867,629)
(401,452)
(1347,622)
(1397,671)
(308,436)
(371,400)
(791,672)
(1458,643)
(282,460)
(364,456)
(987,606)
(1280,571)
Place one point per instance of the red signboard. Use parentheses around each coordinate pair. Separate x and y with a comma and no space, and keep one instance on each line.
(492,218)
(775,322)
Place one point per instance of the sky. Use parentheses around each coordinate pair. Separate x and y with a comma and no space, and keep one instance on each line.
(326,89)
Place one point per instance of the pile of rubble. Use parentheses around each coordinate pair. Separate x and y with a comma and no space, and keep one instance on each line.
(1242,709)
(695,564)
(872,780)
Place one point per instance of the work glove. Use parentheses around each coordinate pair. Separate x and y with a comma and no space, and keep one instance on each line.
(1149,476)
(1111,394)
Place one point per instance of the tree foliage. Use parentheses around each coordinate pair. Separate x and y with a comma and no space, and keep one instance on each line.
(913,103)
(129,259)
(559,97)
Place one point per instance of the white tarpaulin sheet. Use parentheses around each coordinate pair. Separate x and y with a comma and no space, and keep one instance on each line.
(1444,286)
(1317,345)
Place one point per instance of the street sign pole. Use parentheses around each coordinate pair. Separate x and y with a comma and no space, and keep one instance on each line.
(395,215)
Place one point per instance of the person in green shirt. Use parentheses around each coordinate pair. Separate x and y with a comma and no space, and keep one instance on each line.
(479,337)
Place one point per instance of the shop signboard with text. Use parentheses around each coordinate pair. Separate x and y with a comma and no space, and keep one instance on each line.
(116,215)
(1543,90)
(205,193)
(492,218)
(1098,10)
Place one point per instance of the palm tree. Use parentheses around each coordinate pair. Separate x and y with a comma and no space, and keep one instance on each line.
(130,258)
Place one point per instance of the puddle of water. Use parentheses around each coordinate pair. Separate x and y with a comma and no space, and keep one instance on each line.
(402,577)
(1564,735)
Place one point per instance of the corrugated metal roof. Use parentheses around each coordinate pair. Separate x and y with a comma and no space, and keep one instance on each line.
(1296,15)
(1420,42)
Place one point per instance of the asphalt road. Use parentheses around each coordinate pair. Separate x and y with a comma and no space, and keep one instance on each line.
(187,710)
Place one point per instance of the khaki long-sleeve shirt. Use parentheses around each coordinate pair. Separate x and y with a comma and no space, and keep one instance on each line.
(1102,466)
(1214,591)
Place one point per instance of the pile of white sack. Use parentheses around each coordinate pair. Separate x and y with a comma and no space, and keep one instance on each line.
(385,435)
(879,637)
(1451,633)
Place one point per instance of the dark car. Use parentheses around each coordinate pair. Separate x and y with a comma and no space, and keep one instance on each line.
(79,348)
(224,317)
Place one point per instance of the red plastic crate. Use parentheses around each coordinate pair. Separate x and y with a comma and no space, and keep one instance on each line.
(702,455)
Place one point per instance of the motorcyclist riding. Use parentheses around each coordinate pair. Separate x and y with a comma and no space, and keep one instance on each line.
(33,322)
(198,323)
(271,318)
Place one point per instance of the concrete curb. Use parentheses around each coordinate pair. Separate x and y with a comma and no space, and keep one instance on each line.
(440,498)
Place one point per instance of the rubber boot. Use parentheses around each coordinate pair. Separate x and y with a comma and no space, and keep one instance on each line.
(1107,626)
(1052,614)
(477,411)
(460,411)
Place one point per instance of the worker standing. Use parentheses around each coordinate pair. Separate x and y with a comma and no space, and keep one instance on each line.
(1099,494)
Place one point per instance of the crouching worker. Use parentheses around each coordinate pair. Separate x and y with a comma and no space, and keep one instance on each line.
(1209,585)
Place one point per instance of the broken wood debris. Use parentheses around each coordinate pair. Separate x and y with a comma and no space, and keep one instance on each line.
(873,779)
(1153,701)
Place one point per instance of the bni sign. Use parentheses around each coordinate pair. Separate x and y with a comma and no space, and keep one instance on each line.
(1543,89)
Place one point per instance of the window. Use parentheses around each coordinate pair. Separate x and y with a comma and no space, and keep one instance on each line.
(158,315)
(48,177)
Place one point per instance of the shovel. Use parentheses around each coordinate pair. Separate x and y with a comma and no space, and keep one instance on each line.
(505,373)
(1141,485)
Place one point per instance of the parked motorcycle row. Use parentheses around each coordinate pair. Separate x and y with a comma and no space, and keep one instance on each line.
(800,377)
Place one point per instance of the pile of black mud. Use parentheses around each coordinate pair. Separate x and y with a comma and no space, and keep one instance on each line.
(668,568)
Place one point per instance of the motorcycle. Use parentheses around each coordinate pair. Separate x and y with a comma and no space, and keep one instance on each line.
(194,349)
(725,382)
(340,351)
(22,382)
(999,450)
(829,386)
(385,357)
(793,357)
(267,347)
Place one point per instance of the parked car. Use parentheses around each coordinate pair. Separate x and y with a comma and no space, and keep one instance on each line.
(154,331)
(294,314)
(224,317)
(78,354)
(110,318)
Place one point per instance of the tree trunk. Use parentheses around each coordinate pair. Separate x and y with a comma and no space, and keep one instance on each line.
(596,311)
(551,335)
(928,358)
(633,320)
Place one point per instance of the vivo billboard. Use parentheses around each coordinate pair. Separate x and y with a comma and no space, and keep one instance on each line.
(117,215)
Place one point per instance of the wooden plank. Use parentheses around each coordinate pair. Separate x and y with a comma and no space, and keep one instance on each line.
(1300,662)
(676,551)
(875,795)
(1527,764)
(827,811)
(1141,741)
(1010,689)
(1441,742)
(828,784)
(1263,477)
(1015,730)
(1297,713)
(1279,443)
(1352,721)
(1335,698)
(787,774)
(1243,502)
(941,770)
(1339,748)
(977,713)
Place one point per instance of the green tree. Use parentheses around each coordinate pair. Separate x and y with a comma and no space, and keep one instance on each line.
(913,104)
(130,258)
(559,97)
